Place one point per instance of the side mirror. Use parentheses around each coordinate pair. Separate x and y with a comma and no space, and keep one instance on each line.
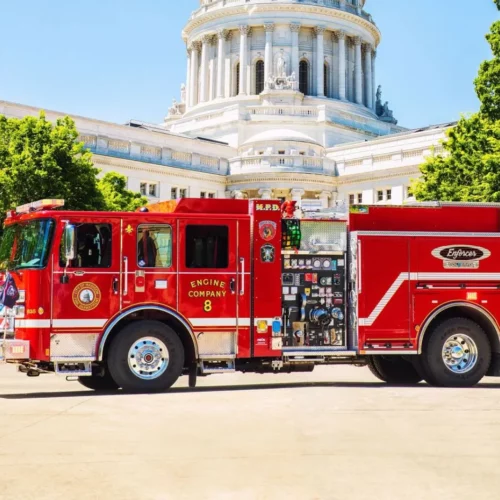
(69,243)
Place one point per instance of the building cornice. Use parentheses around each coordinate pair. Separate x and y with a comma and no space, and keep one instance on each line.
(377,175)
(266,9)
(162,170)
(388,139)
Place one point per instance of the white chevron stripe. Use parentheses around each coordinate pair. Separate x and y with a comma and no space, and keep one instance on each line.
(422,277)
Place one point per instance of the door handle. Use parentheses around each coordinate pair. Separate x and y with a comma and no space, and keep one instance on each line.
(232,285)
(242,286)
(125,277)
(115,285)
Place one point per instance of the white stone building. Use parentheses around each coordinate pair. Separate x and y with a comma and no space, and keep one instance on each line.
(281,100)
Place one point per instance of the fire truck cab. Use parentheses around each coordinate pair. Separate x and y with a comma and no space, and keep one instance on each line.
(135,300)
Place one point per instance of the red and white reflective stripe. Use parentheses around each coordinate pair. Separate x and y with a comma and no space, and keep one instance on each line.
(99,323)
(422,277)
(201,322)
(60,323)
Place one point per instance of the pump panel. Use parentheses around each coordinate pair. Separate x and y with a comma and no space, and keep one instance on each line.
(314,284)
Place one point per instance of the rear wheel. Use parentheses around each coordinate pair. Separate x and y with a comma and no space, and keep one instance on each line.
(394,370)
(458,354)
(98,382)
(146,356)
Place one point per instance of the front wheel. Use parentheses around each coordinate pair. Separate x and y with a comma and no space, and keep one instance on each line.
(146,356)
(458,354)
(394,370)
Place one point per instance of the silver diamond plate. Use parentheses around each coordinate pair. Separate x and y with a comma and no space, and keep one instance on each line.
(73,346)
(217,343)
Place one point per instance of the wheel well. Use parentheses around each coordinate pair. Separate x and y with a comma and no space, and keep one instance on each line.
(163,316)
(469,311)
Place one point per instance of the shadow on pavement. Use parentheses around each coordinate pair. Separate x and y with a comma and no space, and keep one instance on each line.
(230,388)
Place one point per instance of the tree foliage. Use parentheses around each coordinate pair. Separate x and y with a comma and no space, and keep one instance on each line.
(469,169)
(117,197)
(40,159)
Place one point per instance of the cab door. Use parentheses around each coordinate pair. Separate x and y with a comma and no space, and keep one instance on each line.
(86,291)
(149,261)
(210,281)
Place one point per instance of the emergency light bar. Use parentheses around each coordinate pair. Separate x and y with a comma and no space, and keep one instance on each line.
(39,205)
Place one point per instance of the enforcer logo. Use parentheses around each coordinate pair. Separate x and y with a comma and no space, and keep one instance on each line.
(461,256)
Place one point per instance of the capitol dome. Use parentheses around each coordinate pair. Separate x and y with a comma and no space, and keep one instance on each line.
(285,135)
(265,76)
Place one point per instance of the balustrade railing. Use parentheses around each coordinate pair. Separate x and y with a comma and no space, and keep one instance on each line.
(303,111)
(291,162)
(346,5)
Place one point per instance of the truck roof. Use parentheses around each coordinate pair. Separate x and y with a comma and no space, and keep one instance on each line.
(427,217)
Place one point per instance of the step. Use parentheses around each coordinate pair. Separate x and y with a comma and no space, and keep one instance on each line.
(74,369)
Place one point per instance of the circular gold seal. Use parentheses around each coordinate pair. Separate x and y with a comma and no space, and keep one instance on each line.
(86,296)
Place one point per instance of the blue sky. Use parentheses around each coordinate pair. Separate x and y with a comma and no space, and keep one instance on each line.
(124,59)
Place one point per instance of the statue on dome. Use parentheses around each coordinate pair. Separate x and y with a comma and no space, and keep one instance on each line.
(281,66)
(382,110)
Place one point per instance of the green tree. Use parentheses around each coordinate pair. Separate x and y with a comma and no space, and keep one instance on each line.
(117,197)
(39,160)
(469,170)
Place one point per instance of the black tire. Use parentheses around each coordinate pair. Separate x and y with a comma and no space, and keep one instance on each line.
(394,370)
(99,382)
(124,374)
(437,372)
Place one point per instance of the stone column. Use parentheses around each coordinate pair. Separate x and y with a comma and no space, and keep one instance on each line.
(221,62)
(320,60)
(295,29)
(358,85)
(206,40)
(324,196)
(195,52)
(244,31)
(266,194)
(228,67)
(368,75)
(188,79)
(268,55)
(374,81)
(296,195)
(342,65)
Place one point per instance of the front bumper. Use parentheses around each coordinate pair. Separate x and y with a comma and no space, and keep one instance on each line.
(13,349)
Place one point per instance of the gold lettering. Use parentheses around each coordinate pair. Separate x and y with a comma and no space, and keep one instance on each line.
(223,284)
(193,284)
(199,283)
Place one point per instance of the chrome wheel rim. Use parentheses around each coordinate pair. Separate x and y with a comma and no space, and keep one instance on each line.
(460,353)
(148,358)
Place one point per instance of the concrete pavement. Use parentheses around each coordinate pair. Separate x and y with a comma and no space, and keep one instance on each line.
(335,433)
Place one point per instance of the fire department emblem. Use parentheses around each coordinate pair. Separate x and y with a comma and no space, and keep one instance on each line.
(267,254)
(267,230)
(86,296)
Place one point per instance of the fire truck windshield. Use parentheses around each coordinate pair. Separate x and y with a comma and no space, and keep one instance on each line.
(26,245)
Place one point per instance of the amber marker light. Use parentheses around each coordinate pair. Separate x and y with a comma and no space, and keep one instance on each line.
(471,295)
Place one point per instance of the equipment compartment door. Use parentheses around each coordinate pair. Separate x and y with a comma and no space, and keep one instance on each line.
(89,295)
(383,290)
(211,278)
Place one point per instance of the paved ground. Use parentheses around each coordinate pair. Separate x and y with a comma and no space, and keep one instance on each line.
(332,434)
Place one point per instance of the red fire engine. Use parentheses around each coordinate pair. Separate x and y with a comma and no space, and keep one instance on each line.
(135,300)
